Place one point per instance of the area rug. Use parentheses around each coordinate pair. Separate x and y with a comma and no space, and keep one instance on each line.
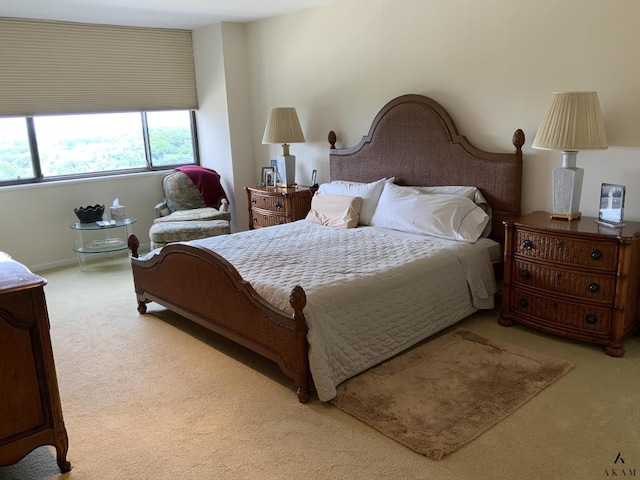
(446,392)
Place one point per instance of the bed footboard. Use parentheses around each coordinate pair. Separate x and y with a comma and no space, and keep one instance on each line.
(205,288)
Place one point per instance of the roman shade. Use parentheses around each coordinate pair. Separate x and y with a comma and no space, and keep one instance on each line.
(54,68)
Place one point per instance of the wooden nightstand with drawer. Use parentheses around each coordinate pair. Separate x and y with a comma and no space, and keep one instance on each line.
(575,279)
(270,206)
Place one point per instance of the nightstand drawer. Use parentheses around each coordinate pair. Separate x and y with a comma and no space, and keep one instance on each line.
(267,202)
(600,255)
(558,314)
(576,283)
(262,219)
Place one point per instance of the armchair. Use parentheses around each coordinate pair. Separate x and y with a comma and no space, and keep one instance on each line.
(194,206)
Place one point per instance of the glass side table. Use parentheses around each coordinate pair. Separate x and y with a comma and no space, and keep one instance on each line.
(92,238)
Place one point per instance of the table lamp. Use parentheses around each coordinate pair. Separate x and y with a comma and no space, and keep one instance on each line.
(283,127)
(572,123)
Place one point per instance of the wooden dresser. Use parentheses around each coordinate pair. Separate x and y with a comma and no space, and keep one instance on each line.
(576,279)
(270,206)
(30,410)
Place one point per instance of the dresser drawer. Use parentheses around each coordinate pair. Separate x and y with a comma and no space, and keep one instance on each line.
(600,255)
(589,286)
(260,219)
(267,202)
(557,314)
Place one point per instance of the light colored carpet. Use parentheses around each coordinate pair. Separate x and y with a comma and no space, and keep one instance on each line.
(439,396)
(154,398)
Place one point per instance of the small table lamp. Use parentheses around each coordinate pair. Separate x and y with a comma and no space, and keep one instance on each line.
(572,123)
(283,127)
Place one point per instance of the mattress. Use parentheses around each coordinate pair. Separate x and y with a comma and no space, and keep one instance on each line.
(371,292)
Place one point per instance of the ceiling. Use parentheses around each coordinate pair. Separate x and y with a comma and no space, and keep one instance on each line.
(184,14)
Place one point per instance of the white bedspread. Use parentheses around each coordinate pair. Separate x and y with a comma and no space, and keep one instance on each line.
(371,292)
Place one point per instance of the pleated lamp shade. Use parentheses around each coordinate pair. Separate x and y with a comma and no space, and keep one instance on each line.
(572,123)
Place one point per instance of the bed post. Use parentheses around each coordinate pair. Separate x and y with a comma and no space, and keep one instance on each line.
(298,300)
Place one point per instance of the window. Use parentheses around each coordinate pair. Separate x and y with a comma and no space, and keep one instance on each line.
(49,147)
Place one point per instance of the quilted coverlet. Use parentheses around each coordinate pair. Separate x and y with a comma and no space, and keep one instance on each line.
(371,292)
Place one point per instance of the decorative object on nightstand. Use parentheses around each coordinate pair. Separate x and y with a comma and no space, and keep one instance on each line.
(611,210)
(574,279)
(572,123)
(275,206)
(283,127)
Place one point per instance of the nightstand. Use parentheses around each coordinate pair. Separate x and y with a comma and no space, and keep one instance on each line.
(270,206)
(575,279)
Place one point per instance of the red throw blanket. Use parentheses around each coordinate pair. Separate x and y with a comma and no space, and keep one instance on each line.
(208,183)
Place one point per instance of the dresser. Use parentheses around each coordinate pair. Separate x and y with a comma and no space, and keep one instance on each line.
(575,279)
(270,206)
(30,410)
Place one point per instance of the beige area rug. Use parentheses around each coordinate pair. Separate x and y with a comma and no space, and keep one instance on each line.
(446,392)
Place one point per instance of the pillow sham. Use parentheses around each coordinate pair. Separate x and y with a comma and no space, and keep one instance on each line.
(331,210)
(368,192)
(472,193)
(445,216)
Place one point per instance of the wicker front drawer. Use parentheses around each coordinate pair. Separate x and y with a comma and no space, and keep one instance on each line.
(560,315)
(596,254)
(556,279)
(268,202)
(262,219)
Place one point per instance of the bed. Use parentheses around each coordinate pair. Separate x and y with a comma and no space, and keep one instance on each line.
(252,286)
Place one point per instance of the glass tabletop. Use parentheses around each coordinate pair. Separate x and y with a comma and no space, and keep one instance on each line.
(94,225)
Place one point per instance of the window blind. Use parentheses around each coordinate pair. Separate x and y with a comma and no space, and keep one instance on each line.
(56,68)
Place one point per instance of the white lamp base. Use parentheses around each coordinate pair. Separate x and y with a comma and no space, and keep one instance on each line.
(567,188)
(286,165)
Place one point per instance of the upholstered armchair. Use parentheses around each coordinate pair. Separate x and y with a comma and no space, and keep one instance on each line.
(194,206)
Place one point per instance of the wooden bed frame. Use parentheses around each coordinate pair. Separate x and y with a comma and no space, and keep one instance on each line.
(412,139)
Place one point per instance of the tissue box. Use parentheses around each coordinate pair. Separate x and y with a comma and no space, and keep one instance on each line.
(117,213)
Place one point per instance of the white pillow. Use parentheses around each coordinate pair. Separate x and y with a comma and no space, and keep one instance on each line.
(472,193)
(369,192)
(445,216)
(332,210)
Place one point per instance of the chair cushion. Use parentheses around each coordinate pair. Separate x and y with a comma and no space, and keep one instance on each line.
(180,192)
(205,213)
(167,232)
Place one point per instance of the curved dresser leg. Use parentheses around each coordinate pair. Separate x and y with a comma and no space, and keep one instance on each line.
(62,448)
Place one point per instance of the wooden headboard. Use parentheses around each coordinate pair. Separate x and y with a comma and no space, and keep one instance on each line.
(415,140)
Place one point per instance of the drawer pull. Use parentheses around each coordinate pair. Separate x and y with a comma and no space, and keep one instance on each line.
(524,303)
(280,221)
(255,220)
(279,205)
(596,255)
(525,273)
(253,201)
(594,287)
(527,244)
(559,242)
(591,319)
(558,275)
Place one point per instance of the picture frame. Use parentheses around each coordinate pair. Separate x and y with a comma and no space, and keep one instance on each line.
(269,176)
(314,178)
(274,165)
(611,210)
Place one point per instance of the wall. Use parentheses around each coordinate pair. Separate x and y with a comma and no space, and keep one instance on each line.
(492,64)
(35,219)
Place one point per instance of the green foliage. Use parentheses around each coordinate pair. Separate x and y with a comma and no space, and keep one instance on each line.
(169,146)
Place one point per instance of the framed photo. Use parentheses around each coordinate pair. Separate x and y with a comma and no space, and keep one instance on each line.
(611,210)
(274,165)
(269,176)
(314,177)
